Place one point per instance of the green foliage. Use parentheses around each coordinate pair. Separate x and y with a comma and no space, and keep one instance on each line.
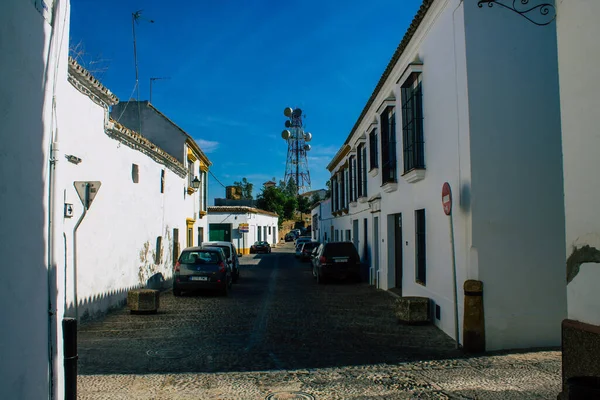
(304,204)
(315,198)
(245,188)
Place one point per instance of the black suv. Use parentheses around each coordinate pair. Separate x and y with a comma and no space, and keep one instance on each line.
(336,260)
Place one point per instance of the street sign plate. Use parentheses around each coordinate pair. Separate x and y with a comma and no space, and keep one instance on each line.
(87,191)
(447,198)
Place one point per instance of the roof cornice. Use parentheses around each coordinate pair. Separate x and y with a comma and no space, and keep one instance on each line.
(85,82)
(140,143)
(412,29)
(345,149)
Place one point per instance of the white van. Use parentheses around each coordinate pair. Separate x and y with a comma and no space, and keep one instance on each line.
(231,254)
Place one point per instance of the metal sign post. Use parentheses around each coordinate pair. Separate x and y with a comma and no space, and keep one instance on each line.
(447,205)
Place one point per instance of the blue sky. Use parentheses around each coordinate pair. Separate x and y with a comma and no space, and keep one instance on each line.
(234,65)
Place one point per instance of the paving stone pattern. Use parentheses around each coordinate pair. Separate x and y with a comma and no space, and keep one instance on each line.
(280,331)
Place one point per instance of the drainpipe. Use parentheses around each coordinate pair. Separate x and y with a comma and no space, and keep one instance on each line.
(85,208)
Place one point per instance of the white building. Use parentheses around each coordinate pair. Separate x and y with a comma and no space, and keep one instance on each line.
(56,135)
(224,221)
(34,65)
(144,208)
(456,104)
(322,221)
(579,62)
(158,128)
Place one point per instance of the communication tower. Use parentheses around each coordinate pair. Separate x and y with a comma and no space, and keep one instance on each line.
(296,166)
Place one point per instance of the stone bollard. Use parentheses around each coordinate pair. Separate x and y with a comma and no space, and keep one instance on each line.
(143,301)
(413,310)
(473,321)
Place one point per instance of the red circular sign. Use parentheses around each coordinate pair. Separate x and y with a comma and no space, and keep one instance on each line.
(447,198)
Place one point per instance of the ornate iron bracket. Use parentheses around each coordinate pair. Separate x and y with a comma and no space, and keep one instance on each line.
(546,11)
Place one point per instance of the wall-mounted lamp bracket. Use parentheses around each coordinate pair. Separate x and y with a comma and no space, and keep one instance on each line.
(545,11)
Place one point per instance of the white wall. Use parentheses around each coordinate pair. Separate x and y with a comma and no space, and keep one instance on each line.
(116,240)
(504,235)
(439,43)
(32,52)
(579,60)
(517,191)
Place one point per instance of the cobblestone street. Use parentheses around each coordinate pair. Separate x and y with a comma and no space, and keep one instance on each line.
(278,330)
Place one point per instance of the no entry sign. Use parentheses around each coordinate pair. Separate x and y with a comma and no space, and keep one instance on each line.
(447,198)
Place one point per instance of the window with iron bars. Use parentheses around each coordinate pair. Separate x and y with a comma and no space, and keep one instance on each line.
(352,178)
(362,170)
(388,145)
(373,156)
(412,124)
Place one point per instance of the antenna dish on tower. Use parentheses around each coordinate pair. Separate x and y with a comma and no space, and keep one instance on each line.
(307,147)
(288,123)
(297,112)
(286,134)
(288,112)
(308,136)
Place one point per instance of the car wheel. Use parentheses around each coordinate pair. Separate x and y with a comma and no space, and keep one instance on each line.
(176,292)
(225,290)
(236,277)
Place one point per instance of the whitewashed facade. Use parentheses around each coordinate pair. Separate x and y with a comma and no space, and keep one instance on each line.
(579,62)
(482,113)
(577,26)
(144,203)
(57,132)
(322,221)
(33,68)
(262,225)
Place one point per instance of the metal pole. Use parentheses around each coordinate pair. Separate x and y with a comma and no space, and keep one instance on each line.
(70,357)
(454,289)
(85,208)
(137,80)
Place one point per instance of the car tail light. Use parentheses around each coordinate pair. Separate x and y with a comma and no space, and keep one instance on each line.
(177,266)
(221,266)
(322,260)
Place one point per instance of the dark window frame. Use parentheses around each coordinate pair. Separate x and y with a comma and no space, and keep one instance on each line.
(388,145)
(373,150)
(413,143)
(351,178)
(420,247)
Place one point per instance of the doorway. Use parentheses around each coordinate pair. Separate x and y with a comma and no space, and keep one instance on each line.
(398,250)
(376,250)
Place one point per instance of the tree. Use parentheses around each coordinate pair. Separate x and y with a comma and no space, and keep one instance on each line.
(328,191)
(289,207)
(304,204)
(272,199)
(315,198)
(245,188)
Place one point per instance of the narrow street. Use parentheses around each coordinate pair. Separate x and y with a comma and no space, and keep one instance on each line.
(279,330)
(276,317)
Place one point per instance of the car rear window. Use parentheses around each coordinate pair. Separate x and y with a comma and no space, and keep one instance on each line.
(226,249)
(336,249)
(310,246)
(200,257)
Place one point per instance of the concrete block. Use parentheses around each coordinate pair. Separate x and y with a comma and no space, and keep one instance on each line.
(413,310)
(580,359)
(143,301)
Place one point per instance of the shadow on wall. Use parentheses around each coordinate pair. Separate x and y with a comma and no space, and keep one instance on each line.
(99,305)
(24,291)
